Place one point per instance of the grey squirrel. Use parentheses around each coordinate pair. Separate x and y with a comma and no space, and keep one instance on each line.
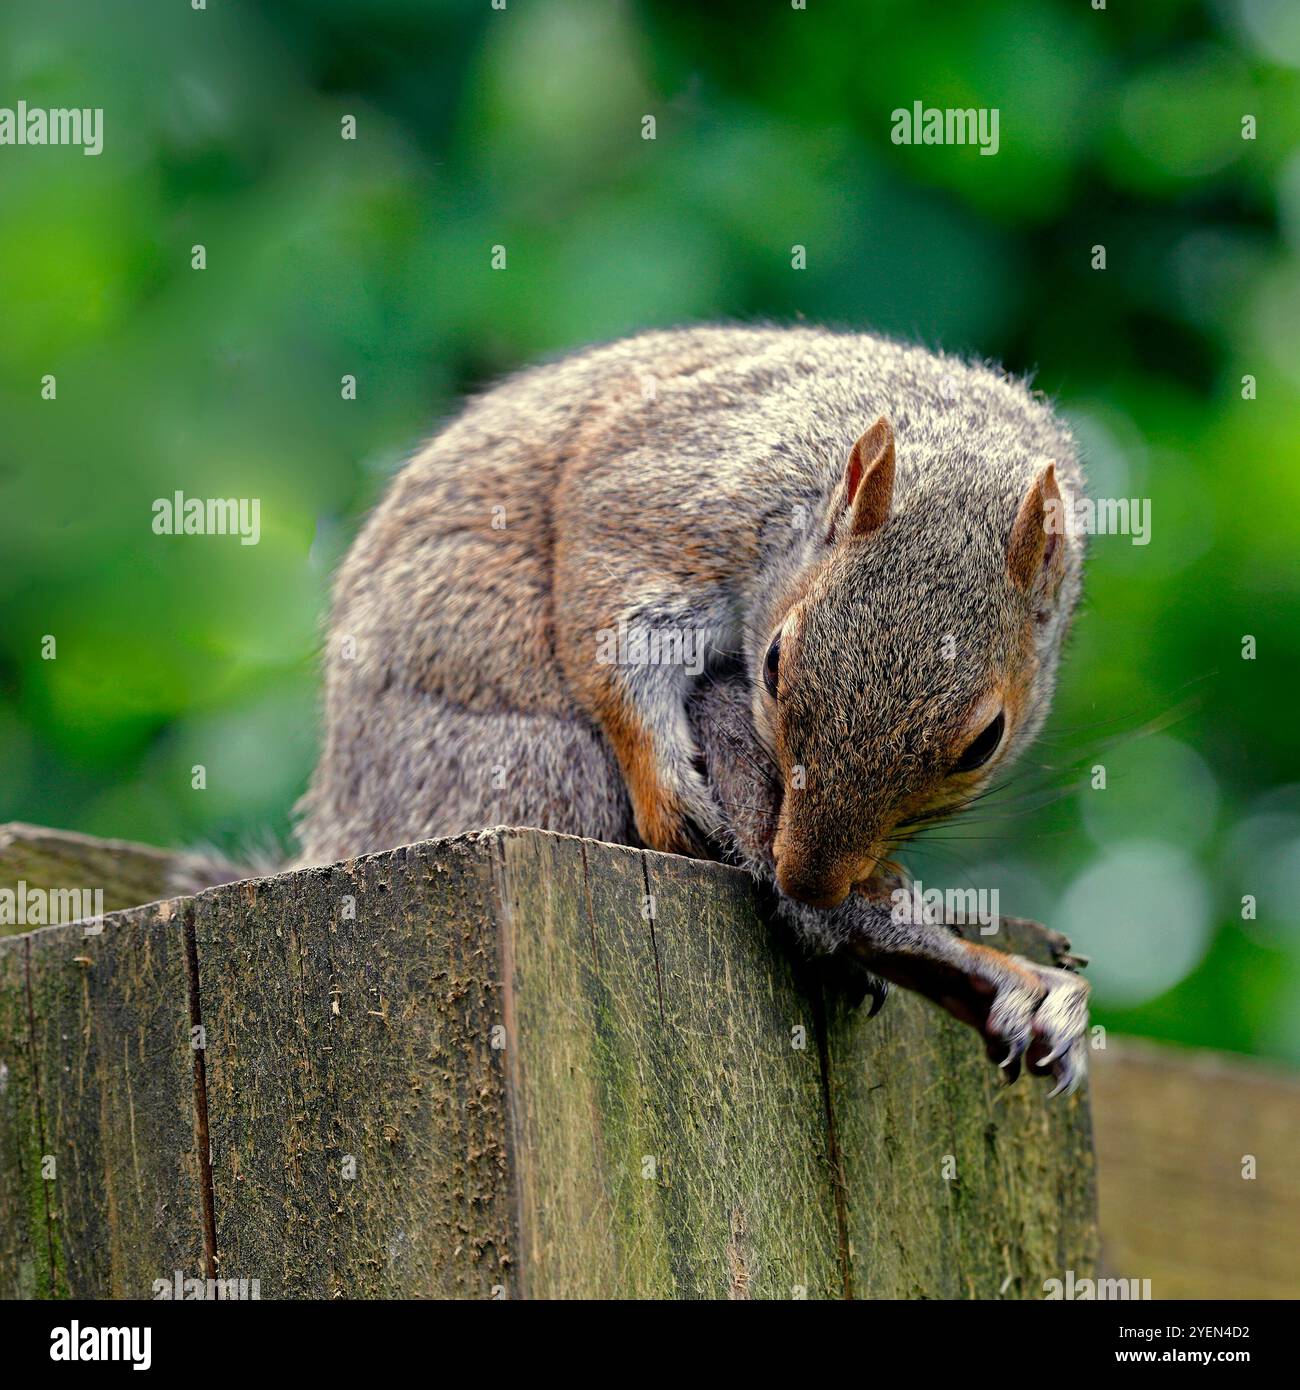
(777,595)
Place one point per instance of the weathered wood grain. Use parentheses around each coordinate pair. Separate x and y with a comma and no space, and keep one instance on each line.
(26,1254)
(55,861)
(666,1085)
(355,1099)
(509,1065)
(1179,1135)
(957,1186)
(108,1069)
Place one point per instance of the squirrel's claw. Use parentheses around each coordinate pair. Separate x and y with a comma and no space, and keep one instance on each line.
(1030,1016)
(1060,1021)
(878,989)
(850,982)
(1068,1063)
(1010,1064)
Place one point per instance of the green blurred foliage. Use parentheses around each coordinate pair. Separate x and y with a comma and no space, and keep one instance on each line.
(522,127)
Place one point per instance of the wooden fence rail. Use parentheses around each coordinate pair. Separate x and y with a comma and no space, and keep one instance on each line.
(512,1064)
(1199,1171)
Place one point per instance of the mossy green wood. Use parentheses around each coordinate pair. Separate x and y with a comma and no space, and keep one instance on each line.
(656,1149)
(26,1257)
(355,1084)
(60,861)
(957,1185)
(667,1104)
(512,1064)
(108,1084)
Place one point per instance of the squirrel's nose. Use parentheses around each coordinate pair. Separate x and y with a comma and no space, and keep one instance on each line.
(805,885)
(812,894)
(822,885)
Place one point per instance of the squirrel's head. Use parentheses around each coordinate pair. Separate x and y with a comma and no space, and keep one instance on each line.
(912,658)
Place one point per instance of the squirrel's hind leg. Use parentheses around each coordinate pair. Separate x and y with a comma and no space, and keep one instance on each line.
(413,766)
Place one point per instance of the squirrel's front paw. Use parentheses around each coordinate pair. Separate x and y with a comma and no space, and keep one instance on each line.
(1036,1015)
(1031,1013)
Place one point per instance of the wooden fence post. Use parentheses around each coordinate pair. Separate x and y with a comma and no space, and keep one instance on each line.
(513,1064)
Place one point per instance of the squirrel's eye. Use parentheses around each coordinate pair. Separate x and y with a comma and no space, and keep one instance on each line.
(771,665)
(982,748)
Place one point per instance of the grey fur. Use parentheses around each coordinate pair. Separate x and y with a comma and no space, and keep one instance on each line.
(461,637)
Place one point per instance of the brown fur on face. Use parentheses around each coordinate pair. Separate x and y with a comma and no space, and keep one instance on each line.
(870,719)
(687,477)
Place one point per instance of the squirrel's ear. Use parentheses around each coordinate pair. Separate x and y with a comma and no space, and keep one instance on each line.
(1035,550)
(868,487)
